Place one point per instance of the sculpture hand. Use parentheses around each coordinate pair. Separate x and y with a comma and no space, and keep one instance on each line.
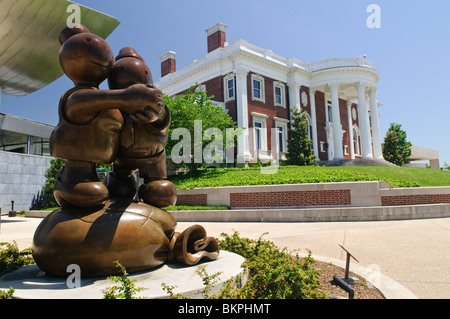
(144,104)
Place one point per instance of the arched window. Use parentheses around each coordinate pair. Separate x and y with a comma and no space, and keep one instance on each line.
(308,120)
(356,140)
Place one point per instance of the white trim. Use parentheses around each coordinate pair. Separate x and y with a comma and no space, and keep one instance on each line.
(282,87)
(282,123)
(227,78)
(260,115)
(356,150)
(166,56)
(309,121)
(217,27)
(262,119)
(260,79)
(322,146)
(280,119)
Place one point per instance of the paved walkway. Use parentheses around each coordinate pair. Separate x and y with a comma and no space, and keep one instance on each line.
(409,258)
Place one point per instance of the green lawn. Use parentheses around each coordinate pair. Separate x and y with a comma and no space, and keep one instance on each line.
(395,176)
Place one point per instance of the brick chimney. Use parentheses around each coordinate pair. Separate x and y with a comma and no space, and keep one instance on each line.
(168,63)
(216,36)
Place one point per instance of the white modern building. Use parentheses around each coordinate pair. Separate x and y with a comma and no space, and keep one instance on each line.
(257,88)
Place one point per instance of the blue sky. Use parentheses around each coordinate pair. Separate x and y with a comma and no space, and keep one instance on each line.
(411,50)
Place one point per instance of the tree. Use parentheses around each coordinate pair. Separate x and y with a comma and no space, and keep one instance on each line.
(396,148)
(198,131)
(300,150)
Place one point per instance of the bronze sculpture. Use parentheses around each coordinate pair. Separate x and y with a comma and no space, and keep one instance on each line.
(126,126)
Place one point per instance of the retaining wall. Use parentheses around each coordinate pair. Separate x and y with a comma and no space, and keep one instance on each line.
(21,177)
(350,194)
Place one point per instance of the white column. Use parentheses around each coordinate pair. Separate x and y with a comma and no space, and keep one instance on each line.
(364,124)
(1,91)
(242,115)
(337,127)
(350,129)
(376,140)
(312,99)
(294,95)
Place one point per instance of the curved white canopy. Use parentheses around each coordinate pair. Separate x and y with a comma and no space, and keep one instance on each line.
(29,45)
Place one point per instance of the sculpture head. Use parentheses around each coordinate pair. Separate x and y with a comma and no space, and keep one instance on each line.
(84,57)
(129,69)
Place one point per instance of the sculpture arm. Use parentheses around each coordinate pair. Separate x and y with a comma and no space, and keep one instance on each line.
(82,106)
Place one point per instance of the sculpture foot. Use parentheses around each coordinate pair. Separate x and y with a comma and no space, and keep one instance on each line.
(192,246)
(85,195)
(158,193)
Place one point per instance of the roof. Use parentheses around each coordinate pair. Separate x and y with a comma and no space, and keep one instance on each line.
(29,45)
(24,126)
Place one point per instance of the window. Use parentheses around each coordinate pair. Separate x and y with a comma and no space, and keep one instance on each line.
(229,87)
(278,93)
(322,146)
(308,123)
(13,142)
(24,144)
(258,88)
(280,132)
(330,112)
(356,140)
(258,135)
(345,150)
(259,132)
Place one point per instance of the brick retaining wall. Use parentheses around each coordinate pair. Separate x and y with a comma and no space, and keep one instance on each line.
(351,194)
(415,199)
(291,199)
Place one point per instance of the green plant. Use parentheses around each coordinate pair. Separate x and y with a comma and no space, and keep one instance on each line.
(273,273)
(188,108)
(299,144)
(126,290)
(12,258)
(396,149)
(394,176)
(7,294)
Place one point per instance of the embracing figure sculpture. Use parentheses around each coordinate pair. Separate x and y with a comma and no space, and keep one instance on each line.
(126,126)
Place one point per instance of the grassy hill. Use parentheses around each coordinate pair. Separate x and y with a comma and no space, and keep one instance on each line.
(394,176)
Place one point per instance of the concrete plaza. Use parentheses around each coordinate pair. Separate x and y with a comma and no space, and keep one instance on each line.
(407,258)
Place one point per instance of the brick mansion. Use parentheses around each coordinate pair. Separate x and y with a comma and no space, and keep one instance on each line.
(257,88)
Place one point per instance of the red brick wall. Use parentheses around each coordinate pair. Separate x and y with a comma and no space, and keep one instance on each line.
(292,198)
(268,107)
(168,66)
(216,40)
(214,87)
(321,123)
(193,200)
(415,199)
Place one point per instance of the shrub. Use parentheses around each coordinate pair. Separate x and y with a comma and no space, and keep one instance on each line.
(272,273)
(126,290)
(11,258)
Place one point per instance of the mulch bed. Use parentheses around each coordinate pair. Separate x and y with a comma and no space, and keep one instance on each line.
(363,290)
